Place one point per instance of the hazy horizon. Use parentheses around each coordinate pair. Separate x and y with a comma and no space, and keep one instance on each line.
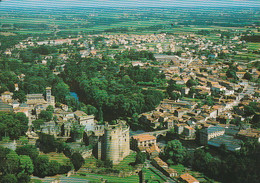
(9,4)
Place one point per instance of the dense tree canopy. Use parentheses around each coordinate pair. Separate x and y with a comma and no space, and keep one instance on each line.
(46,143)
(13,125)
(15,167)
(174,152)
(113,90)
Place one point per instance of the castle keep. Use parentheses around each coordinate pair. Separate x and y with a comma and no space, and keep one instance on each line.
(114,144)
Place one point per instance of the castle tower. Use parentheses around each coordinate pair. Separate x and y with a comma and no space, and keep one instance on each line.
(48,94)
(115,142)
(50,99)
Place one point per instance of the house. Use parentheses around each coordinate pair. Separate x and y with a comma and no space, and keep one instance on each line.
(169,124)
(211,132)
(189,132)
(144,140)
(179,128)
(185,90)
(24,110)
(7,96)
(163,167)
(229,141)
(5,107)
(15,104)
(153,151)
(159,163)
(218,88)
(240,75)
(180,112)
(249,133)
(35,99)
(85,120)
(188,178)
(64,107)
(170,172)
(16,87)
(50,128)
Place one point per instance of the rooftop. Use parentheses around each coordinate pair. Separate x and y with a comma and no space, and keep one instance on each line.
(213,129)
(160,162)
(188,178)
(230,142)
(144,137)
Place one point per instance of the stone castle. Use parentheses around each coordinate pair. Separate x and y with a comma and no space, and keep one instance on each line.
(114,145)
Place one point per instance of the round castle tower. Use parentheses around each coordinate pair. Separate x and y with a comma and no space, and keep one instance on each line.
(116,142)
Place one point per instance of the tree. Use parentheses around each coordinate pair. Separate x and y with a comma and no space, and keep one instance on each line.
(41,166)
(140,158)
(76,132)
(50,108)
(247,76)
(256,121)
(20,96)
(37,123)
(231,74)
(174,152)
(46,143)
(174,96)
(251,109)
(54,168)
(9,178)
(65,167)
(191,83)
(29,150)
(61,90)
(108,163)
(77,160)
(45,115)
(13,125)
(3,153)
(11,163)
(26,165)
(23,178)
(89,109)
(24,140)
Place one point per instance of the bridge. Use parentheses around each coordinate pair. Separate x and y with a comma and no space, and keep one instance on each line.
(156,133)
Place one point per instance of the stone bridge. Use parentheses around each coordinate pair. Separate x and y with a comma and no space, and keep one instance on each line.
(157,133)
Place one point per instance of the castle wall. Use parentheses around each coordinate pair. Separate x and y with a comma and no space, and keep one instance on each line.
(115,143)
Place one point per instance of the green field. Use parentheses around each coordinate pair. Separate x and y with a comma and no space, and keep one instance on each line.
(110,179)
(152,176)
(124,165)
(170,20)
(253,46)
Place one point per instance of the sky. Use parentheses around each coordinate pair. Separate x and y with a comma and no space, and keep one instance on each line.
(128,3)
